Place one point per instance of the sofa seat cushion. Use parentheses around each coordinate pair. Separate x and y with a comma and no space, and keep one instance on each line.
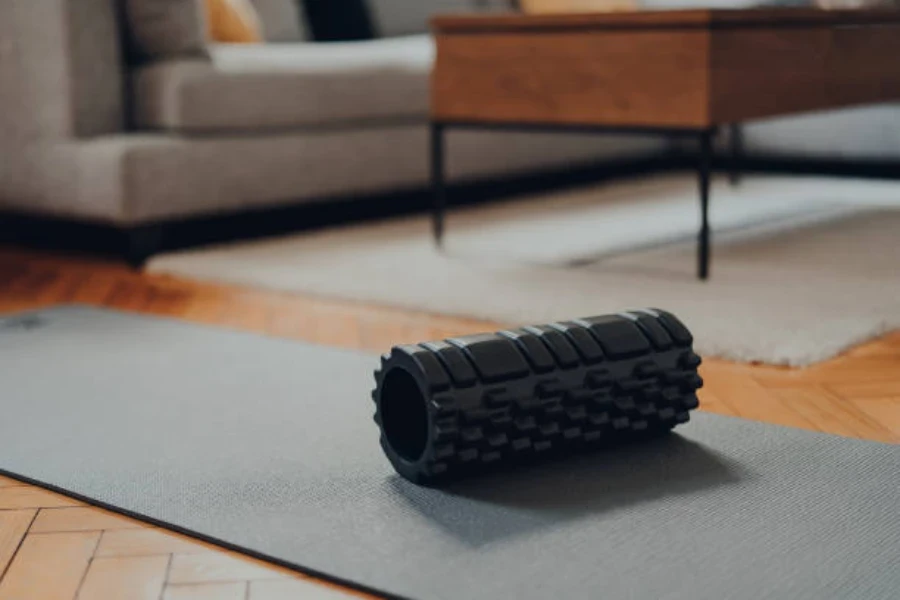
(277,86)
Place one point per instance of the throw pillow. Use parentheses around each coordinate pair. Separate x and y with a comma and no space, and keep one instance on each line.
(233,21)
(161,29)
(337,20)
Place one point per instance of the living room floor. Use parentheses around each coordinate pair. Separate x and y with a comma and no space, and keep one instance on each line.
(95,554)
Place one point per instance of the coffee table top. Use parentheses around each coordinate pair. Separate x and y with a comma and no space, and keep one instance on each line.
(683,69)
(663,19)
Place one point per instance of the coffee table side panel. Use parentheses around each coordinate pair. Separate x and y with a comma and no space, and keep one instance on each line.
(655,78)
(866,64)
(766,72)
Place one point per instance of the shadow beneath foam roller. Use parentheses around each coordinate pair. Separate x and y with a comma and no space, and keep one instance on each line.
(495,506)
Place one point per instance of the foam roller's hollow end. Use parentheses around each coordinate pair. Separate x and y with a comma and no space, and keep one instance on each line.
(450,408)
(404,416)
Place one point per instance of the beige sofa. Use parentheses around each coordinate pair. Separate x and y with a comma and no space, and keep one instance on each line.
(85,136)
(249,127)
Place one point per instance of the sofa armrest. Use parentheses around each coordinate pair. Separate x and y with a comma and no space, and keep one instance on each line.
(61,69)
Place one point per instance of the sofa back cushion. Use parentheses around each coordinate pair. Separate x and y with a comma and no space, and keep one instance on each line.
(61,74)
(164,29)
(281,20)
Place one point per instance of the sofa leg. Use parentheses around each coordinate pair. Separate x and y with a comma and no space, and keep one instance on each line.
(141,243)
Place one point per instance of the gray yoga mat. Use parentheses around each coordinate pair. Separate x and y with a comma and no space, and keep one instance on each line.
(268,445)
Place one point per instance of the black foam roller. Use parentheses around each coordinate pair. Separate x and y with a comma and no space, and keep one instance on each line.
(450,408)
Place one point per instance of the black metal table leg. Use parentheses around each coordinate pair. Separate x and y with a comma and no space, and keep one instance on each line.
(703,249)
(736,140)
(438,185)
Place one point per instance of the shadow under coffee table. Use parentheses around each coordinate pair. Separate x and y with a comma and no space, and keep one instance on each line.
(675,73)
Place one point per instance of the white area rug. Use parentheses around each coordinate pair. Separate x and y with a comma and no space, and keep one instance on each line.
(802,268)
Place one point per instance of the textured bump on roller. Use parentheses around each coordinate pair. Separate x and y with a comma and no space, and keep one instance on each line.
(453,407)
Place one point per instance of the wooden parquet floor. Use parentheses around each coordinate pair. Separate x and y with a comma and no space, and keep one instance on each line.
(52,547)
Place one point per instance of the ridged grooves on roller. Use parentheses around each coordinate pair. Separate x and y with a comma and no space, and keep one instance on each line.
(520,394)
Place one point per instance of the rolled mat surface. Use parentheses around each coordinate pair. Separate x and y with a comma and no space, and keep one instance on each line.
(268,446)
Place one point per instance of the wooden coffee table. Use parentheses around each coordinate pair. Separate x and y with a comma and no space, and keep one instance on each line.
(677,73)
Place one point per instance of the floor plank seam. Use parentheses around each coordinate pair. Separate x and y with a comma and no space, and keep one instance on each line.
(845,407)
(87,568)
(289,575)
(162,591)
(150,554)
(18,546)
(31,533)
